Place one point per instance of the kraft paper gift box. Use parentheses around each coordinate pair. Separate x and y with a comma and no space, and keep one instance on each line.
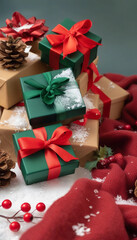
(83,81)
(10,89)
(39,166)
(67,105)
(73,60)
(12,120)
(85,139)
(116,94)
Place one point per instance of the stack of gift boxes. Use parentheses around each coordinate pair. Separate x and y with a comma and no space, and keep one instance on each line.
(64,97)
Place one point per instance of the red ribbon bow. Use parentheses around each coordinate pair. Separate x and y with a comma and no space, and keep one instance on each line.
(35,31)
(60,136)
(69,41)
(90,114)
(104,98)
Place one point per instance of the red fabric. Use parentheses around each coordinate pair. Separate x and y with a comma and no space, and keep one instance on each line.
(113,220)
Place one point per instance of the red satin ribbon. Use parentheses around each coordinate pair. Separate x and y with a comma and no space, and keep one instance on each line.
(60,136)
(70,41)
(36,31)
(104,98)
(20,104)
(90,114)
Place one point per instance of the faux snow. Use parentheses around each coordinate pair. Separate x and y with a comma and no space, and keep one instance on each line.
(80,229)
(89,104)
(121,201)
(25,26)
(79,133)
(47,192)
(17,120)
(71,98)
(99,179)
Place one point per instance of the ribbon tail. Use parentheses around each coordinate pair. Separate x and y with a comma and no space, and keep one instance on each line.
(31,94)
(53,164)
(66,156)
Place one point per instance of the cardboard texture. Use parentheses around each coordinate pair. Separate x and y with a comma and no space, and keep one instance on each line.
(67,106)
(35,46)
(73,60)
(34,167)
(12,121)
(84,151)
(83,81)
(117,94)
(10,89)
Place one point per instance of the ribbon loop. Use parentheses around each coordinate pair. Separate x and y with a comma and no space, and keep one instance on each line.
(47,92)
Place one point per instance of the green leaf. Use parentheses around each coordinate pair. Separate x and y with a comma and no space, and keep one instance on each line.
(91,165)
(105,152)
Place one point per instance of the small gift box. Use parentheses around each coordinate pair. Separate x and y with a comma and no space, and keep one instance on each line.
(112,96)
(12,120)
(85,136)
(70,44)
(10,89)
(52,97)
(45,153)
(30,30)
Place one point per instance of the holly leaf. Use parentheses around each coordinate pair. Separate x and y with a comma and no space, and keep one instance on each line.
(91,165)
(105,152)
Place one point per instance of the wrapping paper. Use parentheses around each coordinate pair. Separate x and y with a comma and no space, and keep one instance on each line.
(108,208)
(10,89)
(12,120)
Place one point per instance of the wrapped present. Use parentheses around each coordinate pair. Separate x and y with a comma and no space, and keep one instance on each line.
(52,97)
(85,136)
(70,44)
(112,96)
(83,82)
(10,89)
(12,120)
(45,153)
(30,30)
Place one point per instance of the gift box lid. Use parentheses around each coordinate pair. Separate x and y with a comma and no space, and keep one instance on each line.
(8,74)
(71,59)
(34,167)
(112,90)
(15,119)
(69,104)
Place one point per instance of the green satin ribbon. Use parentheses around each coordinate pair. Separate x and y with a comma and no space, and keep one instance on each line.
(47,92)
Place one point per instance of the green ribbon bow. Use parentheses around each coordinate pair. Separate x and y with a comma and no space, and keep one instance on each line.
(47,92)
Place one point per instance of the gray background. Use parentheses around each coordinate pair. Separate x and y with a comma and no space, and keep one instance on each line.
(114,20)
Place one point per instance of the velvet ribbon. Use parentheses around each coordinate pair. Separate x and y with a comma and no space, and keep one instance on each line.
(69,41)
(104,98)
(93,114)
(47,92)
(36,30)
(51,147)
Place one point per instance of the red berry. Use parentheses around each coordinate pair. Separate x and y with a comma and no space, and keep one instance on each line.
(127,127)
(14,226)
(28,217)
(118,157)
(120,127)
(103,163)
(111,159)
(40,207)
(25,207)
(6,204)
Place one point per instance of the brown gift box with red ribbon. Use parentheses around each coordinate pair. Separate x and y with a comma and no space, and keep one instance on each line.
(12,120)
(45,153)
(10,88)
(85,137)
(112,96)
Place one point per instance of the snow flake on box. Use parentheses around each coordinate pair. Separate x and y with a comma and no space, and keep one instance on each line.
(89,104)
(80,229)
(71,98)
(80,133)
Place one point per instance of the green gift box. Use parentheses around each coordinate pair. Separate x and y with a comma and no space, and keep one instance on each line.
(66,106)
(73,60)
(34,167)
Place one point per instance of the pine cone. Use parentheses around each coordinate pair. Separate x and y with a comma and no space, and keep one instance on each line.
(12,53)
(135,190)
(5,165)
